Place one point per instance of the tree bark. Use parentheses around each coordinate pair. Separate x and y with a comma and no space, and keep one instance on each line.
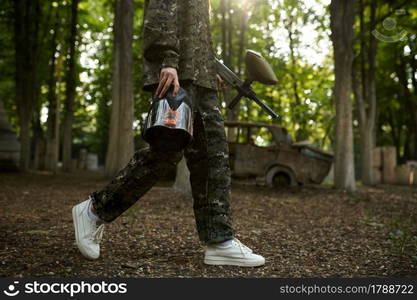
(296,118)
(26,34)
(111,166)
(121,145)
(70,92)
(242,40)
(408,103)
(223,13)
(52,132)
(413,66)
(227,54)
(368,137)
(341,19)
(39,142)
(365,95)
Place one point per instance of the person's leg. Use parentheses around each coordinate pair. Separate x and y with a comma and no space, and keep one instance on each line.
(140,174)
(208,162)
(131,183)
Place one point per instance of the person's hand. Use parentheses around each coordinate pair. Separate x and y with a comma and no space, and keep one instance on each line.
(167,78)
(221,84)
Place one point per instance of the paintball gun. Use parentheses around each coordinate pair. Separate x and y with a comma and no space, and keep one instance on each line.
(258,70)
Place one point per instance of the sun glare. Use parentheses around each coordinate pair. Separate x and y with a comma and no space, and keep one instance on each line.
(314,48)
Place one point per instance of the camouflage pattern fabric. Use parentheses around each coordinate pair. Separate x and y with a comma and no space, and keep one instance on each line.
(176,33)
(207,159)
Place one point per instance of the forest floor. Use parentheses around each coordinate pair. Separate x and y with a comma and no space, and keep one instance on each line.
(313,231)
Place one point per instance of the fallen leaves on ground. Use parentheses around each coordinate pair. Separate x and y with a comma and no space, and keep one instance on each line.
(310,231)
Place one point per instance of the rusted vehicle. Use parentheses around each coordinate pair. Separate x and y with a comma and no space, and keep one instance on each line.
(266,152)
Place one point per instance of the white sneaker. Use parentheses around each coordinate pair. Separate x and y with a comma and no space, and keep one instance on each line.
(88,233)
(236,254)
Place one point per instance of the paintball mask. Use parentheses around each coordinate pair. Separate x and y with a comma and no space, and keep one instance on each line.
(169,124)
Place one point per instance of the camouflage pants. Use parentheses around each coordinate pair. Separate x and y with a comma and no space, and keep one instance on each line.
(207,159)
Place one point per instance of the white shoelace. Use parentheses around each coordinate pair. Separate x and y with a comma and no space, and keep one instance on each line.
(244,249)
(97,235)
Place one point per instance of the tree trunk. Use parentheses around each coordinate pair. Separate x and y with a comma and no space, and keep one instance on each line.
(342,17)
(413,65)
(225,51)
(121,145)
(409,105)
(367,146)
(111,166)
(227,55)
(26,34)
(70,92)
(242,40)
(296,118)
(37,142)
(24,124)
(365,95)
(52,133)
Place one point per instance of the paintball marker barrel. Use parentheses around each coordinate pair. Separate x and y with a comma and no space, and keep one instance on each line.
(243,88)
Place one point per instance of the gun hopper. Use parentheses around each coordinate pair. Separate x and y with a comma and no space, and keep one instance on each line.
(258,70)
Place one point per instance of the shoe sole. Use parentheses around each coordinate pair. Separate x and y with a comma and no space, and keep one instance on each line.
(222,261)
(74,221)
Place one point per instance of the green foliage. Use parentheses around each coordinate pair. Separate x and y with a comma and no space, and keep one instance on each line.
(97,45)
(395,59)
(93,115)
(302,96)
(7,59)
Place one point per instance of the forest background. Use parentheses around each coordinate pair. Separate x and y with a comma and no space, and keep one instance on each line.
(66,63)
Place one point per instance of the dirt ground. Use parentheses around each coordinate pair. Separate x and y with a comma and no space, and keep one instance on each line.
(313,231)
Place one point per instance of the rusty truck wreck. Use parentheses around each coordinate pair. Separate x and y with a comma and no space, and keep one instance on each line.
(266,152)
